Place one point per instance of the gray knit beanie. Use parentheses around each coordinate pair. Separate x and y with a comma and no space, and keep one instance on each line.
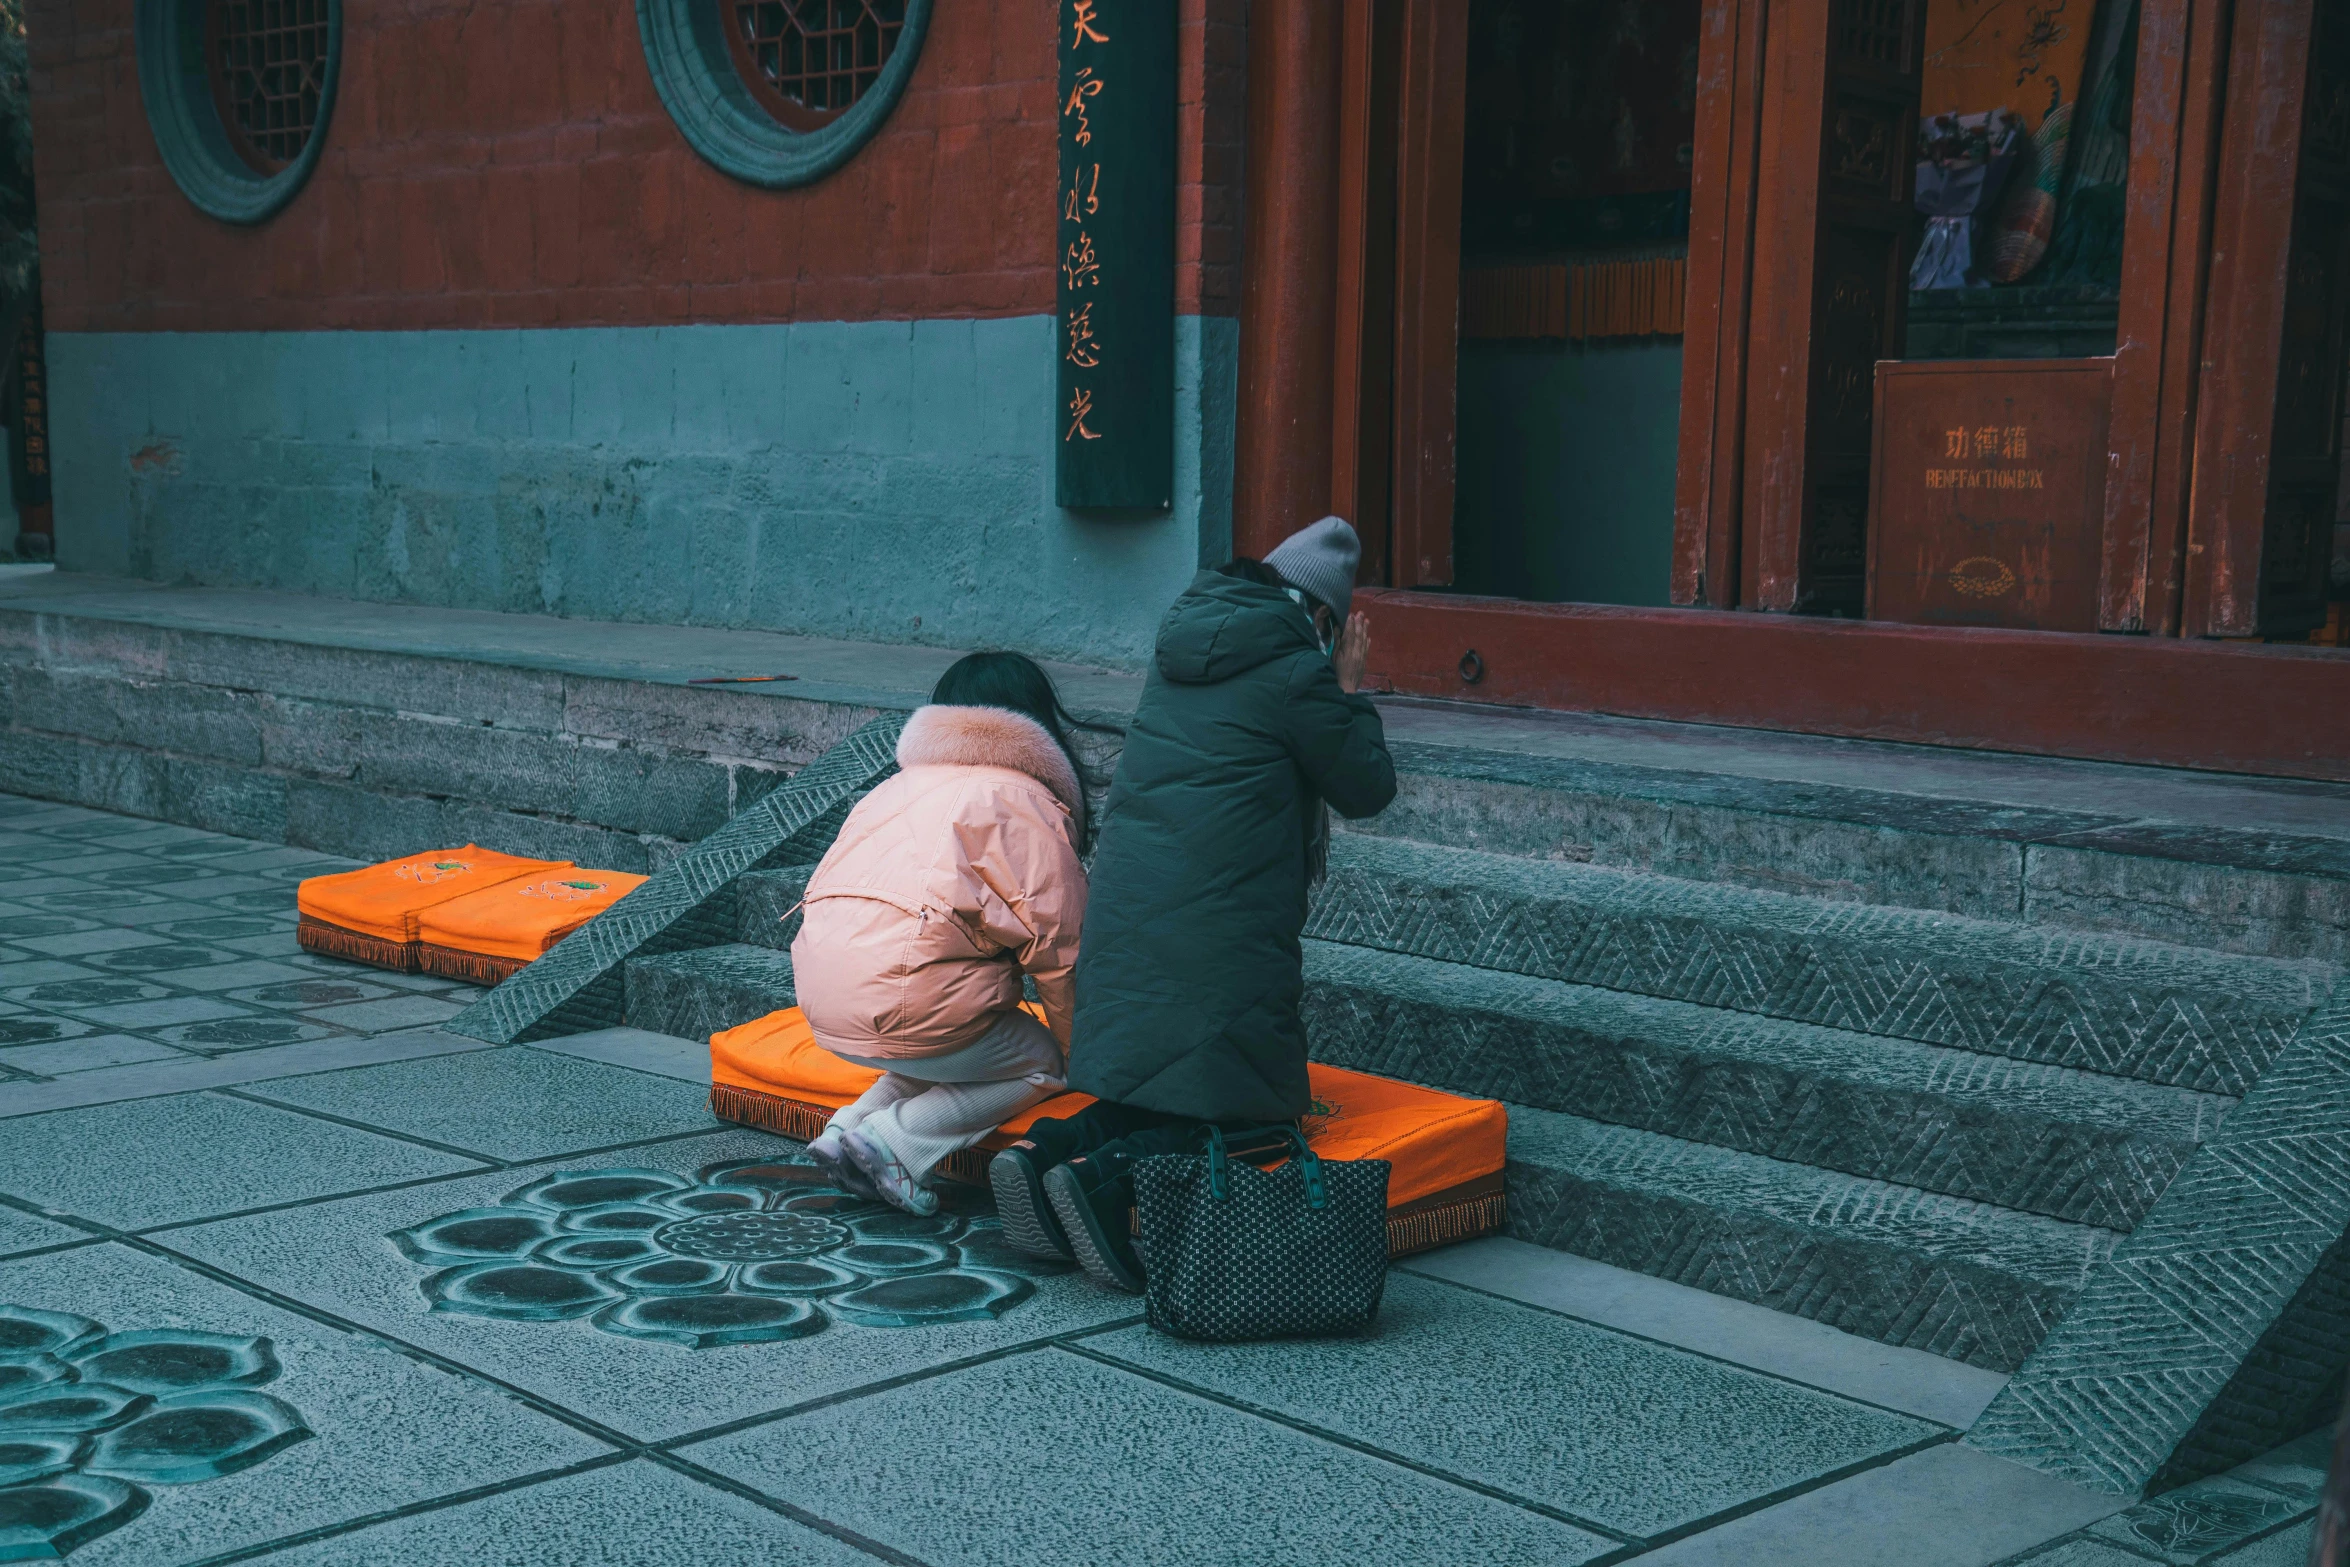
(1321,559)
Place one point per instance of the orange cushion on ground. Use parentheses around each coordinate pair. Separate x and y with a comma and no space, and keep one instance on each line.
(1447,1151)
(385,900)
(487,934)
(371,913)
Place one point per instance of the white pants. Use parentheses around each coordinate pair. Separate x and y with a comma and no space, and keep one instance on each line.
(927,1107)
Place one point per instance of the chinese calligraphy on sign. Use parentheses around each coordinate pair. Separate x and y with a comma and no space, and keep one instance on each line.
(1989,440)
(1115,436)
(1987,504)
(2010,442)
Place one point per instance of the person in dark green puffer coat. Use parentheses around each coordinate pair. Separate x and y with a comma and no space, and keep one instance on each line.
(1189,971)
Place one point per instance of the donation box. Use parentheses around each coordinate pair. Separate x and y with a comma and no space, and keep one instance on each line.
(1987,493)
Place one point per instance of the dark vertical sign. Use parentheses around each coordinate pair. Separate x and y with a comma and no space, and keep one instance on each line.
(29,438)
(1115,430)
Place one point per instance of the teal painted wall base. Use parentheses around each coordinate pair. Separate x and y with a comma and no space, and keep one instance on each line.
(887,480)
(1565,484)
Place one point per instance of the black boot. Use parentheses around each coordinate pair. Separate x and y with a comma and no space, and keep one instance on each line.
(1017,1177)
(1095,1206)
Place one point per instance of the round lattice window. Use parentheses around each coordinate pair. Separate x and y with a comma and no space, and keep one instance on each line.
(239,93)
(269,68)
(780,92)
(808,60)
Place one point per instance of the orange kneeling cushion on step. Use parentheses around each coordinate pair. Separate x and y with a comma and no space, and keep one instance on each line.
(777,1056)
(371,913)
(1447,1151)
(487,934)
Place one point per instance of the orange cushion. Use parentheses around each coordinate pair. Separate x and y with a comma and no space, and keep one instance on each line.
(384,900)
(1436,1141)
(526,916)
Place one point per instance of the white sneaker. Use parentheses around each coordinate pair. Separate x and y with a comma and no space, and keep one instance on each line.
(830,1157)
(888,1175)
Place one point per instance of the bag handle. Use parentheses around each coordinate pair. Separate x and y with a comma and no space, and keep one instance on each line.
(1308,1162)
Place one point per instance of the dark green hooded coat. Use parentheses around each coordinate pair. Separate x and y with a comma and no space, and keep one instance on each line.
(1189,974)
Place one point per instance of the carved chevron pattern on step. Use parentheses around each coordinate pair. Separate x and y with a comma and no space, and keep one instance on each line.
(579,985)
(2222,1326)
(1965,1280)
(2073,1145)
(2133,1008)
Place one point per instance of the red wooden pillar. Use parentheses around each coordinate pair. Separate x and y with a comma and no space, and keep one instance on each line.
(1362,377)
(2166,257)
(1281,477)
(1830,289)
(1432,84)
(1723,181)
(2269,429)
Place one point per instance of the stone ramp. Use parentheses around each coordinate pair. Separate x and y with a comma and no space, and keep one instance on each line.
(2219,1328)
(582,983)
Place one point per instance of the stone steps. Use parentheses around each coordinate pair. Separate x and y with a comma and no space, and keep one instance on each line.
(1969,1281)
(2131,851)
(2050,1140)
(2165,1013)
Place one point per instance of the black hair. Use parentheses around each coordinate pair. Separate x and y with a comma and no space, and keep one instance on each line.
(1008,680)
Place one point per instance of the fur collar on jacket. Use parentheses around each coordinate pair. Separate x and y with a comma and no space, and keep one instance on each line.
(991,737)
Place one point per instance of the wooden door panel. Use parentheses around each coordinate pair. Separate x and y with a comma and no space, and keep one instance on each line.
(1724,173)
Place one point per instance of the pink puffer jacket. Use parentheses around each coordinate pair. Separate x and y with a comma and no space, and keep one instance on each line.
(946,883)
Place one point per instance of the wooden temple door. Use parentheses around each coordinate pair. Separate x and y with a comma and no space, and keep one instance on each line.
(2268,451)
(1799,255)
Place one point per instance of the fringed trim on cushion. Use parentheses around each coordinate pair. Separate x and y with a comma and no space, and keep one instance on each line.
(1462,1213)
(1458,1213)
(792,1118)
(475,968)
(334,941)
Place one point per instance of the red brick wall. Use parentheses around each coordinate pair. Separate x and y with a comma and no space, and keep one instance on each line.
(512,165)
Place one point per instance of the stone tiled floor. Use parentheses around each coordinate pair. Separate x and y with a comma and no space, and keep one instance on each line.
(289,1274)
(127,941)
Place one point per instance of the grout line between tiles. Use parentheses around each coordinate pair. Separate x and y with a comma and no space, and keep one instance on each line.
(246,1553)
(52,1249)
(889,1384)
(240,1091)
(792,1510)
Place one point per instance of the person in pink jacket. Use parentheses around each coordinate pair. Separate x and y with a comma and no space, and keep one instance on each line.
(949,882)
